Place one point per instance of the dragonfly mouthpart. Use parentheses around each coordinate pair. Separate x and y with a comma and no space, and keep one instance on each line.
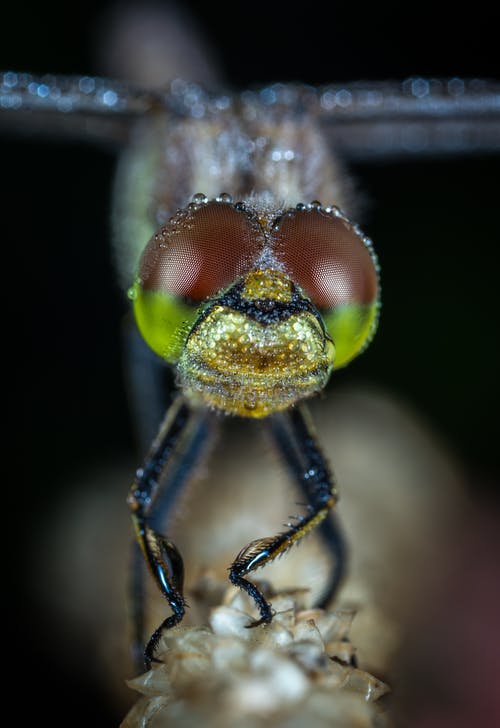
(257,349)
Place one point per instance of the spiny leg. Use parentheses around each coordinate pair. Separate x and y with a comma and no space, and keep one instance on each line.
(149,389)
(330,528)
(180,469)
(136,599)
(312,472)
(177,446)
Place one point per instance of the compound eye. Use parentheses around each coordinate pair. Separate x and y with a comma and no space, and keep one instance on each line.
(336,267)
(200,251)
(326,257)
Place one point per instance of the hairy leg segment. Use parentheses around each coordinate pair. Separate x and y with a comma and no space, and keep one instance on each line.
(173,456)
(294,437)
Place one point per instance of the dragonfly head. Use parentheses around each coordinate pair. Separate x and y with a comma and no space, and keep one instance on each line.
(256,305)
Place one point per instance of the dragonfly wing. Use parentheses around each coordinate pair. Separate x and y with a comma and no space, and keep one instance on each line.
(363,120)
(416,117)
(81,107)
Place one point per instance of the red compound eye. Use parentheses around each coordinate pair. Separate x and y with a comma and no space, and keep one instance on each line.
(326,257)
(201,250)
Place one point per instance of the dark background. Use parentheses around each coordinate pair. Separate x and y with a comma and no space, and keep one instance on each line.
(434,223)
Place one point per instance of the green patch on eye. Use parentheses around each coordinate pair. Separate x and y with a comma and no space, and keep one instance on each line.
(351,327)
(163,320)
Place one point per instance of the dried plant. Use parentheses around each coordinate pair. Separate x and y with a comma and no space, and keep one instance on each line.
(299,670)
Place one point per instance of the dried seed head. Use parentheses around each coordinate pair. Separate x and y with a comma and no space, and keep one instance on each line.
(295,671)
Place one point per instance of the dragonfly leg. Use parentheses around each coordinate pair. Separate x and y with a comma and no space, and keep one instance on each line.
(153,494)
(312,472)
(330,528)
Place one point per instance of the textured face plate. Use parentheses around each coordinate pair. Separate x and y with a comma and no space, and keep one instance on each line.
(256,304)
(252,369)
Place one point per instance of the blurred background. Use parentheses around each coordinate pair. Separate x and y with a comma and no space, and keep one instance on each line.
(434,222)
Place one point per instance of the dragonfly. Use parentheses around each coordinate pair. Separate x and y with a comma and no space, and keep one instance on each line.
(245,273)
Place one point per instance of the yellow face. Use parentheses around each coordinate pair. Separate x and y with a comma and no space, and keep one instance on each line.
(256,307)
(238,359)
